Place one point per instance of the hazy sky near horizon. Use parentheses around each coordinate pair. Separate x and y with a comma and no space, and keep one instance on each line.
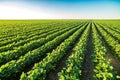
(59,9)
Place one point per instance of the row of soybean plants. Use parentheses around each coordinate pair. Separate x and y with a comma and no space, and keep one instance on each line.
(74,63)
(19,28)
(103,69)
(15,38)
(11,31)
(40,69)
(112,32)
(112,28)
(10,69)
(24,35)
(34,33)
(21,50)
(39,35)
(25,29)
(115,26)
(112,43)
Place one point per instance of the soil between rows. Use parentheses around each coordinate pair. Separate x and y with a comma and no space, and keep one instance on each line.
(87,67)
(115,38)
(53,74)
(114,29)
(114,62)
(29,67)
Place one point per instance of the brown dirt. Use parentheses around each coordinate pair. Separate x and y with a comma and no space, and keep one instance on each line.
(87,67)
(114,61)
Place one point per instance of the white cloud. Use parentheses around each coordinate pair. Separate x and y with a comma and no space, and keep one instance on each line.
(21,11)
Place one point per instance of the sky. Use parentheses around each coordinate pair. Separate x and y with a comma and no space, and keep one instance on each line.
(59,9)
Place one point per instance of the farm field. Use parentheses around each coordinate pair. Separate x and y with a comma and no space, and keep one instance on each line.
(60,50)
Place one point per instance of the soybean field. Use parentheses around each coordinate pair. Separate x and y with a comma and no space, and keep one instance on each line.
(59,49)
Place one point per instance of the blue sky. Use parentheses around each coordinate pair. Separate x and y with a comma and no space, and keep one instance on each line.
(60,9)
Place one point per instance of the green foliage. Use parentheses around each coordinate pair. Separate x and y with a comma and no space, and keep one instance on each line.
(22,43)
(103,69)
(74,62)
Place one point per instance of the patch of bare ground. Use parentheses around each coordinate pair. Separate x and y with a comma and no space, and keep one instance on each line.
(88,66)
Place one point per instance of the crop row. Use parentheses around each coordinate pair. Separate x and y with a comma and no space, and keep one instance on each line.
(21,50)
(114,45)
(72,71)
(40,70)
(23,37)
(16,66)
(42,34)
(103,70)
(113,33)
